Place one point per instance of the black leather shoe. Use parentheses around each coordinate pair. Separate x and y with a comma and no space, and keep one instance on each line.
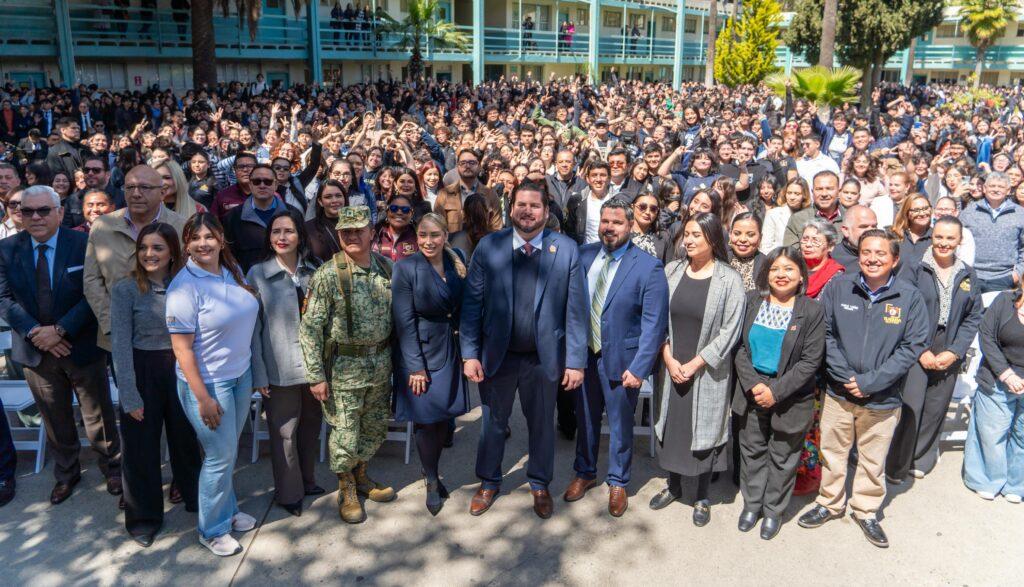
(701,513)
(770,527)
(665,497)
(508,432)
(442,490)
(62,491)
(6,491)
(294,509)
(145,540)
(747,521)
(434,500)
(873,532)
(817,517)
(315,490)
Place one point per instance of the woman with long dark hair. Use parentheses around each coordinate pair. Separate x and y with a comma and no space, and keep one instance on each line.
(211,315)
(293,414)
(144,365)
(706,301)
(476,224)
(331,197)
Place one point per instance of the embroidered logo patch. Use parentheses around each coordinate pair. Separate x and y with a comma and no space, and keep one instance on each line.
(893,314)
(965,285)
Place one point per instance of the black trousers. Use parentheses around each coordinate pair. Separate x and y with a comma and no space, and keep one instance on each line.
(768,461)
(141,458)
(8,456)
(926,397)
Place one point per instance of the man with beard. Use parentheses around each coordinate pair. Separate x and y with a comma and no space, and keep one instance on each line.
(450,200)
(535,315)
(628,296)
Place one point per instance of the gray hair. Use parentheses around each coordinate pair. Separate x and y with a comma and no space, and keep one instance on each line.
(824,228)
(42,190)
(997,176)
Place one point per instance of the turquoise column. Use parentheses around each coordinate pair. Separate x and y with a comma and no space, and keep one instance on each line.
(478,42)
(65,48)
(316,64)
(595,38)
(677,54)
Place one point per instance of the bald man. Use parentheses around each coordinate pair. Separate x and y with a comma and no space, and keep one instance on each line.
(858,220)
(110,254)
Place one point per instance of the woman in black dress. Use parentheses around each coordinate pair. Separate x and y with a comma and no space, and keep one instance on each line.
(705,315)
(430,389)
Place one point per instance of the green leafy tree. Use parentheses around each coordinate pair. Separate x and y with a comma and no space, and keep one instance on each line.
(870,32)
(984,21)
(420,26)
(821,85)
(745,51)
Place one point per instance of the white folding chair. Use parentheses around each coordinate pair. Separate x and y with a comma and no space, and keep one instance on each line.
(397,431)
(17,396)
(255,419)
(646,396)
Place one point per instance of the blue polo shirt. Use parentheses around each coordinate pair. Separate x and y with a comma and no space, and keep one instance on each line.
(222,316)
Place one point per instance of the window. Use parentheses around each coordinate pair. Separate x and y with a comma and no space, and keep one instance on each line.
(668,24)
(690,27)
(540,14)
(612,19)
(582,17)
(948,30)
(637,20)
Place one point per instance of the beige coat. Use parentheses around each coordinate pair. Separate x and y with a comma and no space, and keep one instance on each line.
(109,258)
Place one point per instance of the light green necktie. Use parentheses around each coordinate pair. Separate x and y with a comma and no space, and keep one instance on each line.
(597,305)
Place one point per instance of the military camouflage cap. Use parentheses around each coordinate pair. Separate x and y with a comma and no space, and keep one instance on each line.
(353,217)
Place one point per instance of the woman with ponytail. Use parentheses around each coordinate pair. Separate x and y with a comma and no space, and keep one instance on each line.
(430,389)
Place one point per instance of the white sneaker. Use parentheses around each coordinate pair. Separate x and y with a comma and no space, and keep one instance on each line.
(242,522)
(223,545)
(988,495)
(1012,498)
(917,474)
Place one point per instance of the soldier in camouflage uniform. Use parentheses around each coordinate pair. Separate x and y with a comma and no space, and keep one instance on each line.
(346,344)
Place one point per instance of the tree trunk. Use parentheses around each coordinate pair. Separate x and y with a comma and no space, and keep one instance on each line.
(865,88)
(979,63)
(828,34)
(204,46)
(908,73)
(709,67)
(415,62)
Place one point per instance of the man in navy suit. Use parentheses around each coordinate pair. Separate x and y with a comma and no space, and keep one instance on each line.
(523,326)
(628,296)
(54,337)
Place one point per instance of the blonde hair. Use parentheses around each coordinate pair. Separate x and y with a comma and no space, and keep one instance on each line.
(440,222)
(183,203)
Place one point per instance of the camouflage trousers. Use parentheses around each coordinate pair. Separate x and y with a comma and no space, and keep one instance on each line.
(359,424)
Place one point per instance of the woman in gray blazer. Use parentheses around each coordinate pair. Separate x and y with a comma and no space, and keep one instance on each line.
(706,303)
(293,414)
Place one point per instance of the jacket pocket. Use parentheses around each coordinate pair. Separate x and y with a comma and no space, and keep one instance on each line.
(632,342)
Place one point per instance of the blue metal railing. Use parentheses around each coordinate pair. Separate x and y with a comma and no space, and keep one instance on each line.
(382,43)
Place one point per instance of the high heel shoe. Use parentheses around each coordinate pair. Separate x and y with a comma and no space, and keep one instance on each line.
(442,490)
(294,509)
(434,501)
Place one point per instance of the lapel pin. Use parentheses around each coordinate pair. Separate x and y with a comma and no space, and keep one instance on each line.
(552,249)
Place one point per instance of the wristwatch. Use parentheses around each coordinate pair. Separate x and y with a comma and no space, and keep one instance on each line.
(60,330)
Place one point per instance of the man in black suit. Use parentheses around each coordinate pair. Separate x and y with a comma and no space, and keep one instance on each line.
(41,297)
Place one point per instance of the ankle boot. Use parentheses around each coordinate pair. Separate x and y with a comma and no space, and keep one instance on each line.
(368,487)
(349,507)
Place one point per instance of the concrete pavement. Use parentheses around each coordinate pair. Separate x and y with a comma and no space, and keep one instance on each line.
(941,534)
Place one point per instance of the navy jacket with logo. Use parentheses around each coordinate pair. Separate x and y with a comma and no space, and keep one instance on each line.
(875,342)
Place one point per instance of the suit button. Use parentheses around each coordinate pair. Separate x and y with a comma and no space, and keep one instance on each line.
(449,315)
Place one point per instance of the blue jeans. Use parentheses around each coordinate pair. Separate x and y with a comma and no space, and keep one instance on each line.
(994,450)
(217,503)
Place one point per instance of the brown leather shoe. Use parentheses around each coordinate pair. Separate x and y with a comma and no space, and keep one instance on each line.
(618,501)
(62,491)
(482,501)
(578,488)
(543,505)
(114,485)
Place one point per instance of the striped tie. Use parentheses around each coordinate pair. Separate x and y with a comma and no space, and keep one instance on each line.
(597,305)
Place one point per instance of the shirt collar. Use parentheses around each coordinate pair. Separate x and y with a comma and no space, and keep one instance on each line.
(50,242)
(882,289)
(196,271)
(616,254)
(131,223)
(518,241)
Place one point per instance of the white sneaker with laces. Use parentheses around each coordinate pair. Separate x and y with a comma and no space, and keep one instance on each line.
(242,522)
(224,545)
(1012,498)
(987,495)
(917,474)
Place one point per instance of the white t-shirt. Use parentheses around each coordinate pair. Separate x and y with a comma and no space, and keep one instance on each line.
(593,219)
(221,315)
(808,168)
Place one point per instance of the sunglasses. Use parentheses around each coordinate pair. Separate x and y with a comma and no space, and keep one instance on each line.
(396,209)
(14,204)
(653,208)
(40,212)
(261,181)
(91,170)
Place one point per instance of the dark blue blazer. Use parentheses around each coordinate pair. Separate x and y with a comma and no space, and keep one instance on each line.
(425,319)
(560,305)
(19,306)
(634,321)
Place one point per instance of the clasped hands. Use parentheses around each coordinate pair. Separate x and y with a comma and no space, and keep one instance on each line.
(48,340)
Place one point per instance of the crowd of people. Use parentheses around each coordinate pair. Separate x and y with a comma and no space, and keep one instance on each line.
(799,286)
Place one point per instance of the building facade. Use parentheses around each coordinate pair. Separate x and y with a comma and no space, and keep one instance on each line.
(122,45)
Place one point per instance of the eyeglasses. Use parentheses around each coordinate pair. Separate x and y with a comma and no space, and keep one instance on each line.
(812,240)
(40,212)
(91,170)
(244,166)
(14,204)
(653,208)
(923,210)
(280,168)
(261,181)
(396,209)
(140,187)
(468,163)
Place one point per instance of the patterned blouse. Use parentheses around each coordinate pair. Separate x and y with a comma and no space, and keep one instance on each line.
(645,242)
(746,270)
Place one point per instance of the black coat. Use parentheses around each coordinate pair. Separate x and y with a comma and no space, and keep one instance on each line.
(803,349)
(965,307)
(323,239)
(246,234)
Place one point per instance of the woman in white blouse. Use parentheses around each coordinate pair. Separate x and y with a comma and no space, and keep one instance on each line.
(795,197)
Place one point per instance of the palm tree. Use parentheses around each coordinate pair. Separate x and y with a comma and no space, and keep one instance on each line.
(821,85)
(985,21)
(828,33)
(709,67)
(204,44)
(420,26)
